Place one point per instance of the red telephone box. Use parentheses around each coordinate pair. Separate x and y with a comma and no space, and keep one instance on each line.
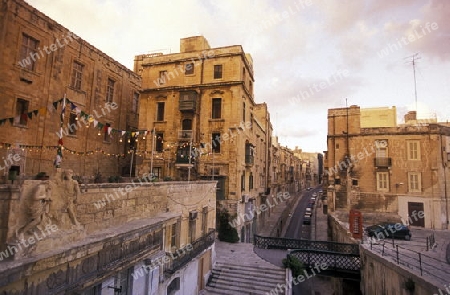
(356,224)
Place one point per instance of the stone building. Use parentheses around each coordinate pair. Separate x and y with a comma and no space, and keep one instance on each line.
(41,63)
(399,169)
(206,123)
(142,238)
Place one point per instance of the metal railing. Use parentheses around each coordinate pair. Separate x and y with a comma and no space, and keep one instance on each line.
(181,258)
(285,243)
(423,264)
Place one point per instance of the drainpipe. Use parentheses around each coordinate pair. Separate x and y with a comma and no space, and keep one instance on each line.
(445,182)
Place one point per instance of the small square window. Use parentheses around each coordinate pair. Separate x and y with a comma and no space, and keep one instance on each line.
(189,68)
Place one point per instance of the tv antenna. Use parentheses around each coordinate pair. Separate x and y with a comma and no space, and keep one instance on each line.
(413,59)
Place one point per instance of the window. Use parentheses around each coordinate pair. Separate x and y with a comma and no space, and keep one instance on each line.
(157,172)
(189,68)
(173,236)
(186,124)
(174,286)
(77,74)
(21,112)
(243,112)
(250,181)
(28,52)
(192,226)
(414,182)
(159,144)
(383,181)
(216,108)
(243,181)
(413,150)
(73,124)
(162,77)
(160,111)
(251,87)
(135,105)
(381,148)
(204,220)
(123,280)
(215,143)
(95,290)
(217,71)
(110,90)
(106,136)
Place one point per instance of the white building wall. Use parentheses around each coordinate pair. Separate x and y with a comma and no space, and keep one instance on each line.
(139,281)
(189,279)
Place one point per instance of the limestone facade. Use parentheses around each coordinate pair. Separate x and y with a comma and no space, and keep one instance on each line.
(41,63)
(200,102)
(402,169)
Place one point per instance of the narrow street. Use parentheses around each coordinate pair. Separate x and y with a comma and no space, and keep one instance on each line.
(297,230)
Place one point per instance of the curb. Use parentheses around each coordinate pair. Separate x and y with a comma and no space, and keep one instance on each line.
(448,253)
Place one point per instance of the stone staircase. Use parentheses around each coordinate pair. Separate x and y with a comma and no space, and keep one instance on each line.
(238,270)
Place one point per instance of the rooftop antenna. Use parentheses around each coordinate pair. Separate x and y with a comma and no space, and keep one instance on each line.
(413,61)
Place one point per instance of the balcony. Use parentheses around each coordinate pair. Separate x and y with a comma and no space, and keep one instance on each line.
(382,162)
(249,160)
(181,258)
(185,135)
(188,101)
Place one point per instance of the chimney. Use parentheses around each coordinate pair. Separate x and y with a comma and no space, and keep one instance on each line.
(411,116)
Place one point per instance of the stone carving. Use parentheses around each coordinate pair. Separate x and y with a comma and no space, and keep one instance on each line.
(38,210)
(47,216)
(71,194)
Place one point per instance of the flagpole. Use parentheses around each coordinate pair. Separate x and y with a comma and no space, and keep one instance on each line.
(153,148)
(58,159)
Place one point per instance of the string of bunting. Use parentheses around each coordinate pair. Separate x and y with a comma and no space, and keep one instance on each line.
(32,148)
(89,118)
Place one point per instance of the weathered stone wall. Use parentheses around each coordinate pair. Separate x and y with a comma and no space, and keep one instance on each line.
(380,276)
(119,225)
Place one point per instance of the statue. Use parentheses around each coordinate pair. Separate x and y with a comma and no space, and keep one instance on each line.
(71,193)
(38,209)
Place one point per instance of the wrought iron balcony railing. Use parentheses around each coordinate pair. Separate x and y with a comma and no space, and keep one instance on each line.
(249,159)
(382,162)
(181,258)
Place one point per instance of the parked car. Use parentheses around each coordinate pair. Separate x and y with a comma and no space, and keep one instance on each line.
(389,230)
(309,210)
(314,194)
(307,219)
(309,188)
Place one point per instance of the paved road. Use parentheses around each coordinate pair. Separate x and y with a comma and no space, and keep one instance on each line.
(296,229)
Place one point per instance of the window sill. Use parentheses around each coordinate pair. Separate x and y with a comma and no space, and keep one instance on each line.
(217,120)
(77,90)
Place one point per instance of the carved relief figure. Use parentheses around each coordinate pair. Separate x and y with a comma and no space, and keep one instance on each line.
(38,209)
(71,193)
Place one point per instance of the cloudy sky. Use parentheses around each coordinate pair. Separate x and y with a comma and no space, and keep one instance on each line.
(308,56)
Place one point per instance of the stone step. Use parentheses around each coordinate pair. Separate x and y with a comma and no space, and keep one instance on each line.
(211,291)
(238,289)
(272,270)
(253,276)
(248,282)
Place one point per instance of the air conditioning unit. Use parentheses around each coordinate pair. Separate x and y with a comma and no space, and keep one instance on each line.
(193,215)
(245,198)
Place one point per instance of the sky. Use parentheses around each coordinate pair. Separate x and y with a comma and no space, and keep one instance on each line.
(308,55)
